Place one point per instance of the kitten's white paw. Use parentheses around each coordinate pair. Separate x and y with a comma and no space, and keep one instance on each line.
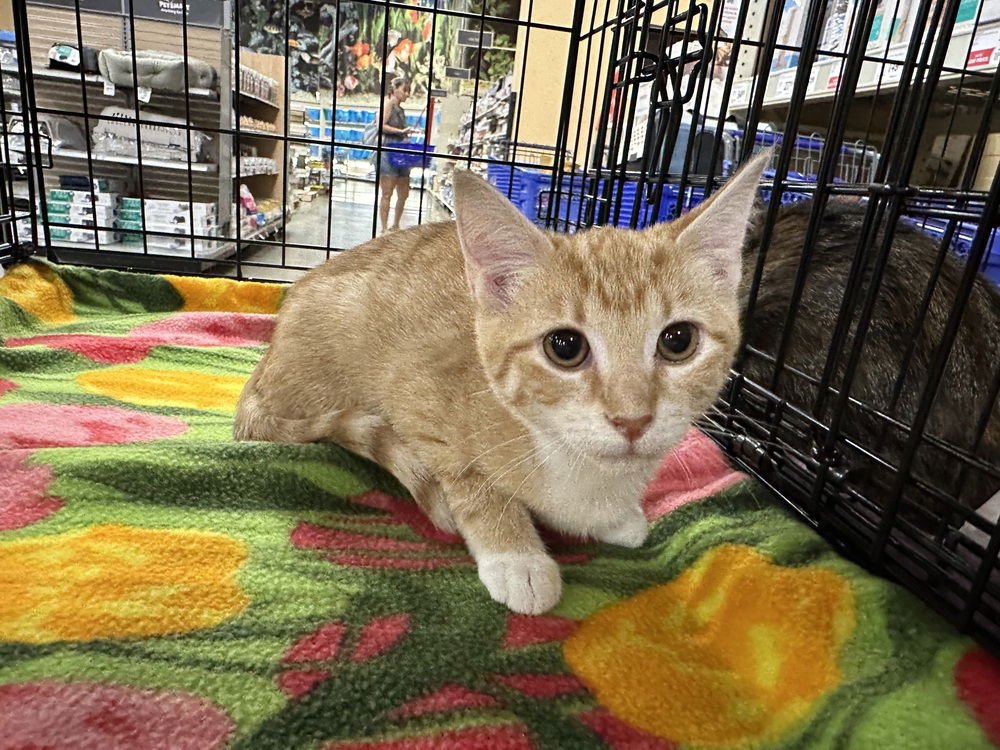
(631,532)
(526,583)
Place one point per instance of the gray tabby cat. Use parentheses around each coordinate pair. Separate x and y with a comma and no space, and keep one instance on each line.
(965,390)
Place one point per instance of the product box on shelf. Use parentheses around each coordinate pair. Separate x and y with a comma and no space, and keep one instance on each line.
(171,207)
(168,218)
(67,212)
(835,27)
(67,234)
(790,36)
(166,228)
(83,196)
(83,182)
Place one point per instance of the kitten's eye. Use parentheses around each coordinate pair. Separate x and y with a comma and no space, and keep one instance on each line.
(677,342)
(566,347)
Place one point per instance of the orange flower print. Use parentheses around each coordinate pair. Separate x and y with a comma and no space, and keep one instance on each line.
(117,581)
(733,652)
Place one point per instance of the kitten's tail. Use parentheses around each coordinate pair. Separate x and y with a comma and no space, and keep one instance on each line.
(367,435)
(255,423)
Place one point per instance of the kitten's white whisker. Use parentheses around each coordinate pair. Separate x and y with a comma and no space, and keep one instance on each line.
(504,470)
(488,450)
(526,477)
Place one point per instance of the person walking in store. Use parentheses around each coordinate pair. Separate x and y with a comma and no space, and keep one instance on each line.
(394,130)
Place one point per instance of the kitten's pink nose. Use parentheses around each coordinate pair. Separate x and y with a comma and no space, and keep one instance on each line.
(631,427)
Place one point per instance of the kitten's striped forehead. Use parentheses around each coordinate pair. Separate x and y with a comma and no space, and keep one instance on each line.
(615,272)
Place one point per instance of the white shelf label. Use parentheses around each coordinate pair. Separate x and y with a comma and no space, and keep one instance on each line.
(833,82)
(741,91)
(109,88)
(813,75)
(144,93)
(892,73)
(785,85)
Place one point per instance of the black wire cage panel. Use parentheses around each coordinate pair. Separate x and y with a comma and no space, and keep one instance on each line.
(239,138)
(880,112)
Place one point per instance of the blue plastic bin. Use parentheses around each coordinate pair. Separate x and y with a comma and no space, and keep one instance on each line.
(410,160)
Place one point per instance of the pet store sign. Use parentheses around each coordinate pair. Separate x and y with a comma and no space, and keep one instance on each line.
(201,13)
(985,49)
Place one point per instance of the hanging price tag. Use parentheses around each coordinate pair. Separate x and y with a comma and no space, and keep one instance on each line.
(144,93)
(109,88)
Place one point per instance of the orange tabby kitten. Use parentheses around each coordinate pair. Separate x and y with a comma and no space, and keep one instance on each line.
(506,375)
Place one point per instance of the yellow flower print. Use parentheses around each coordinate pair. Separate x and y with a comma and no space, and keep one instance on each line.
(39,290)
(226,295)
(117,581)
(733,652)
(138,385)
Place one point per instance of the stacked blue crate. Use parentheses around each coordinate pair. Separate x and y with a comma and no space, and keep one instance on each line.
(529,189)
(961,243)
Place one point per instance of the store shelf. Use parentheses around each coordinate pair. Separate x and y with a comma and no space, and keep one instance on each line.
(440,199)
(268,228)
(488,113)
(244,176)
(464,147)
(221,250)
(67,153)
(70,75)
(251,97)
(875,77)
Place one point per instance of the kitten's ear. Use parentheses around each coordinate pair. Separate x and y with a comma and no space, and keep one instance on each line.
(498,242)
(716,230)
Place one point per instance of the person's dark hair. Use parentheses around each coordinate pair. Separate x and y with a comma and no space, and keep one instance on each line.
(395,83)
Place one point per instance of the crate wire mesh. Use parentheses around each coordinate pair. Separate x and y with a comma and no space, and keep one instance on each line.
(884,104)
(287,126)
(852,116)
(20,147)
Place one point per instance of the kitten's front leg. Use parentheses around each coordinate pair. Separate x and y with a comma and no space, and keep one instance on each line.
(510,556)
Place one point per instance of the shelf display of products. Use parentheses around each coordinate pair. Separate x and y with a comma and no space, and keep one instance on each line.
(254,165)
(484,130)
(254,124)
(161,136)
(489,121)
(258,86)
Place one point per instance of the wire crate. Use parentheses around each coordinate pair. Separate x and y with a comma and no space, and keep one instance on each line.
(642,118)
(899,130)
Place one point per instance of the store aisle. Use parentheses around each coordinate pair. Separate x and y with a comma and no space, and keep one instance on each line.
(347,211)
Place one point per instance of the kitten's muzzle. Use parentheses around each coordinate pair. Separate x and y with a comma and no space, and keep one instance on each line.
(632,428)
